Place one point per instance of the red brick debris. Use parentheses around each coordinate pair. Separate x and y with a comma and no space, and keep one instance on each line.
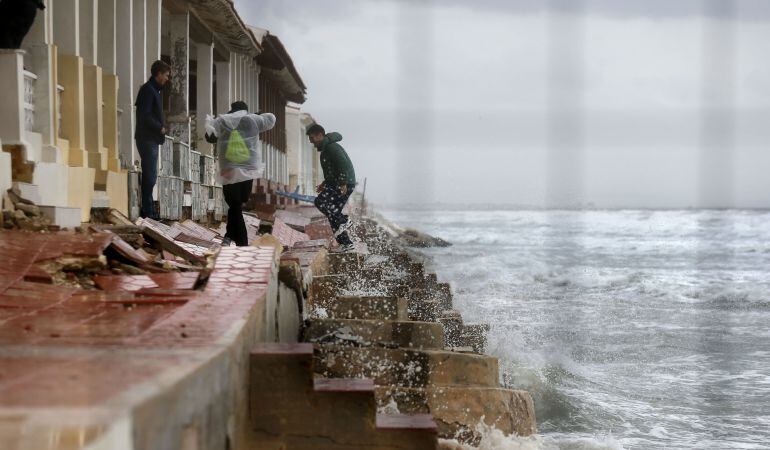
(120,288)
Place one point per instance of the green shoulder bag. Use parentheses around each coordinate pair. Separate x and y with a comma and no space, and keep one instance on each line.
(237,151)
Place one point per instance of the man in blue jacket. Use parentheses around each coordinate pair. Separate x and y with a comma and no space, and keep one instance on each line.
(150,131)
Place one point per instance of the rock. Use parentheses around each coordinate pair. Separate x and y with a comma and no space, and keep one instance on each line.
(413,238)
(28,224)
(19,215)
(7,201)
(463,412)
(8,219)
(82,263)
(131,270)
(14,194)
(29,210)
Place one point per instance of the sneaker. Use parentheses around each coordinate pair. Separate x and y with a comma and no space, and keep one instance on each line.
(345,248)
(226,242)
(343,228)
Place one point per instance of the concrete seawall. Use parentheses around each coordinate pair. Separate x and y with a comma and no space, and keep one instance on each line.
(269,349)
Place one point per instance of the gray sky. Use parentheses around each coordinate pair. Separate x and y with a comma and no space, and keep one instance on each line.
(616,103)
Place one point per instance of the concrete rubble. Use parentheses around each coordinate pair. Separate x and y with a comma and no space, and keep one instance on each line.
(280,345)
(377,315)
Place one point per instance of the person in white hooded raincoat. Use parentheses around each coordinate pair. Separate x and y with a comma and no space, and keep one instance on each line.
(236,135)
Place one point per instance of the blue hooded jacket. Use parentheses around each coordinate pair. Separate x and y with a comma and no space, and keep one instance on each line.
(149,113)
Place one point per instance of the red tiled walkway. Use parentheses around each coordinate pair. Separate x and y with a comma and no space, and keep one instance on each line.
(66,347)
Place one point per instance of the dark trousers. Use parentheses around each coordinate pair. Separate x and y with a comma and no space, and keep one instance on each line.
(331,202)
(236,195)
(149,153)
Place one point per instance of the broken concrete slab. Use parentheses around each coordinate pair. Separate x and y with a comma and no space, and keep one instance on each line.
(286,235)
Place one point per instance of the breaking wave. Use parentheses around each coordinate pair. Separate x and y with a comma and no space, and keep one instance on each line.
(635,329)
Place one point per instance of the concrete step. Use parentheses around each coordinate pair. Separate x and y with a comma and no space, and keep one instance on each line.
(407,367)
(100,199)
(324,289)
(424,310)
(27,191)
(344,263)
(368,307)
(475,336)
(439,291)
(457,410)
(290,409)
(52,180)
(392,333)
(452,321)
(63,216)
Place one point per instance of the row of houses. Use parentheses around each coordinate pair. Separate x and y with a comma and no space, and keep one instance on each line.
(68,104)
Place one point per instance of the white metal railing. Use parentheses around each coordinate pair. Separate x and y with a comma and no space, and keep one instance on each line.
(29,100)
(124,163)
(59,92)
(166,157)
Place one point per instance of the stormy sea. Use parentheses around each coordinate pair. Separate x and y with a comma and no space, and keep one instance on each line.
(632,329)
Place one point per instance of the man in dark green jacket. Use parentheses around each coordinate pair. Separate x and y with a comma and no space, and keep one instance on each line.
(339,182)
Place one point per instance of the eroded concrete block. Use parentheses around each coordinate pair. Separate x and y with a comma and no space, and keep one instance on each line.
(344,263)
(458,410)
(392,333)
(289,409)
(452,321)
(407,367)
(424,310)
(323,290)
(368,307)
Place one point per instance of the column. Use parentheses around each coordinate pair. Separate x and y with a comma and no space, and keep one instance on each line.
(153,11)
(255,87)
(247,83)
(87,31)
(124,49)
(105,52)
(204,89)
(42,55)
(140,70)
(242,78)
(110,86)
(179,114)
(70,75)
(12,96)
(92,90)
(65,30)
(224,85)
(236,68)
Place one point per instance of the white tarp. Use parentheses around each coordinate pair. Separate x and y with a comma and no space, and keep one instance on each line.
(237,164)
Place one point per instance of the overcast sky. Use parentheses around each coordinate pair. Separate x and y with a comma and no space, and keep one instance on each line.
(615,103)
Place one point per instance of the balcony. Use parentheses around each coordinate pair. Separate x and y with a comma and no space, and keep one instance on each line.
(30,79)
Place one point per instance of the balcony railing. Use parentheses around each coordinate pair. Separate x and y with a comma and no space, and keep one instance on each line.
(30,79)
(185,172)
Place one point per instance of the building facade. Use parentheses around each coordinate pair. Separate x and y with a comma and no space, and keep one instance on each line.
(304,162)
(68,109)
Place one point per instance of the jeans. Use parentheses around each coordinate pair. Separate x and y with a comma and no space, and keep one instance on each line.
(236,195)
(330,202)
(149,153)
